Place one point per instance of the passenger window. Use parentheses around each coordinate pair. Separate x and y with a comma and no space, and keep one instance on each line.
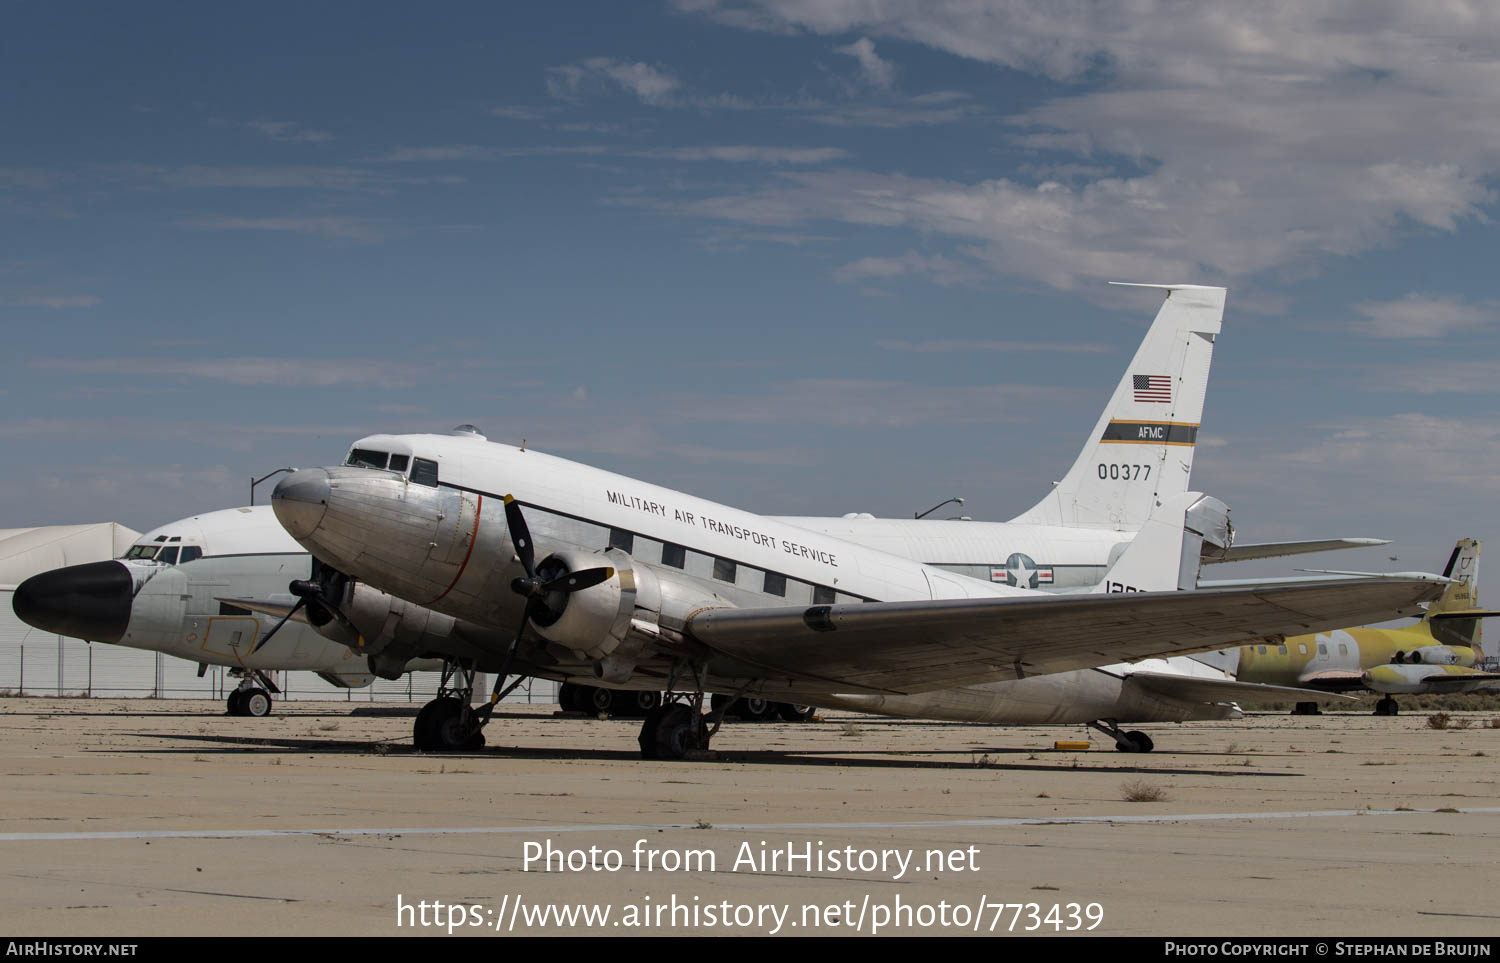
(624,541)
(424,472)
(1302,648)
(775,584)
(724,570)
(1322,649)
(366,458)
(399,463)
(1281,649)
(1261,649)
(673,555)
(190,552)
(823,595)
(1343,649)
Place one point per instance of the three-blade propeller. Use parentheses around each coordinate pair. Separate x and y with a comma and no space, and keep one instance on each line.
(545,595)
(312,591)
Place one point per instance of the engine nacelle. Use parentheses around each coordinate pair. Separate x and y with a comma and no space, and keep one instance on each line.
(1440,655)
(391,631)
(593,622)
(1394,679)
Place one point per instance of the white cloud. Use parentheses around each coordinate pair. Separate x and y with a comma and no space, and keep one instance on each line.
(288,132)
(1263,136)
(322,372)
(1424,316)
(652,84)
(53,301)
(872,69)
(342,228)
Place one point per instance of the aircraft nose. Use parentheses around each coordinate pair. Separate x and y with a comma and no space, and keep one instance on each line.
(90,601)
(300,500)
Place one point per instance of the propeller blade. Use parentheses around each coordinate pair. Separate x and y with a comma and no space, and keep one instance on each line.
(520,535)
(578,581)
(277,627)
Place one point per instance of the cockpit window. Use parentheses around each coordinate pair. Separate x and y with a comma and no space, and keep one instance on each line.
(142,551)
(168,555)
(398,463)
(365,458)
(424,472)
(190,552)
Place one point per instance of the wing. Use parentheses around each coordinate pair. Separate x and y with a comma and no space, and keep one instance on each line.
(1184,688)
(1244,553)
(923,645)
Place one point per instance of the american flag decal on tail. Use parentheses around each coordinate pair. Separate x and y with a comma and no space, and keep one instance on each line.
(1152,388)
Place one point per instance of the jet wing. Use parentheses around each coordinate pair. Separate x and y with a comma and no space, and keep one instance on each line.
(1244,553)
(932,644)
(1186,688)
(1441,681)
(276,608)
(1333,680)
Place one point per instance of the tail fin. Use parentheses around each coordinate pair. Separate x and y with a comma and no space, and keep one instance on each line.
(1168,551)
(1450,627)
(1141,451)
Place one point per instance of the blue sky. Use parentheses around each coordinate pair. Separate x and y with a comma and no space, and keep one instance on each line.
(702,243)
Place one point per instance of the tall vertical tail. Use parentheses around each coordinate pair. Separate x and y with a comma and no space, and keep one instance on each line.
(1141,451)
(1449,627)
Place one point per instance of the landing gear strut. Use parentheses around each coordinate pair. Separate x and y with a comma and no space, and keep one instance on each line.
(678,728)
(449,721)
(1133,741)
(250,697)
(1387,707)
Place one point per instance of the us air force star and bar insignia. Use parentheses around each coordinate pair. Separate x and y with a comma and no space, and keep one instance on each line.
(1020,570)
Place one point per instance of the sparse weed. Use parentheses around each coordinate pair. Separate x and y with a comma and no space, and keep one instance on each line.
(1439,720)
(1139,790)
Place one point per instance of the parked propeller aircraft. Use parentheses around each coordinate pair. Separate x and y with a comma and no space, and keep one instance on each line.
(1436,654)
(645,587)
(163,595)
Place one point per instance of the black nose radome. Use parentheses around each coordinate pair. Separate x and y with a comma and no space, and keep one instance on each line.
(89,601)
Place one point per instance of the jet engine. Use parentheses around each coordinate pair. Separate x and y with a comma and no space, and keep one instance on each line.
(1439,655)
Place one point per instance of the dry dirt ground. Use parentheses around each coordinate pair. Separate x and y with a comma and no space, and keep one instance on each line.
(134,817)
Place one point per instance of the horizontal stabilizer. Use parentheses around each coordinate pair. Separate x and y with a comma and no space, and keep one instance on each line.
(1249,551)
(1417,576)
(1464,614)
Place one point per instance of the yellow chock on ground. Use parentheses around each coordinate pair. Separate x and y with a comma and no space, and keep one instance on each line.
(1065,745)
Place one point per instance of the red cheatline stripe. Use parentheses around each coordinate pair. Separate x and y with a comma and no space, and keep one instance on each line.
(473,537)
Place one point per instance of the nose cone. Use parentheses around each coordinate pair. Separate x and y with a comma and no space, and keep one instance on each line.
(89,601)
(300,501)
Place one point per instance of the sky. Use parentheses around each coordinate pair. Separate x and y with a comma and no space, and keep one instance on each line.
(799,257)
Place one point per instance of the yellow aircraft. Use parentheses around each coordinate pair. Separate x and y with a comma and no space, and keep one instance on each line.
(1437,654)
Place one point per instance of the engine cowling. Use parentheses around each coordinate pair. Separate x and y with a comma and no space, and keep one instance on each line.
(1440,655)
(595,621)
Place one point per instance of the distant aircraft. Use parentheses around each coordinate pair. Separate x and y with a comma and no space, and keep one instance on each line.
(1436,654)
(643,587)
(165,594)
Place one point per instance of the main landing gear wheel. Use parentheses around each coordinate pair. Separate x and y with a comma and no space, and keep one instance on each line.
(599,700)
(671,732)
(1387,707)
(249,702)
(1132,741)
(441,725)
(641,703)
(1307,709)
(795,713)
(255,702)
